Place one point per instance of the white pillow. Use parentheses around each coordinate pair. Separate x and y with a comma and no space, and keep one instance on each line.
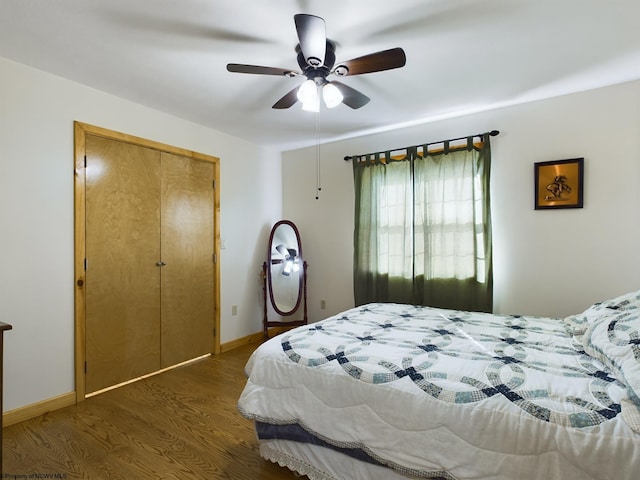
(615,341)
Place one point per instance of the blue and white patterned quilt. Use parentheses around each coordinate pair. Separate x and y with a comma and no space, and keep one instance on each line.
(462,395)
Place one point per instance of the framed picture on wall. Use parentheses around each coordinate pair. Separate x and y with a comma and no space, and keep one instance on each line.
(559,184)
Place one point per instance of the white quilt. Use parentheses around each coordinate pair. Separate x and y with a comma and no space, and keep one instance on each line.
(433,392)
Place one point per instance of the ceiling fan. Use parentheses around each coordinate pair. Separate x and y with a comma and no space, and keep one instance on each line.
(316,59)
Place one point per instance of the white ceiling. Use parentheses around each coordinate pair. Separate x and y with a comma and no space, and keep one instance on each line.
(462,56)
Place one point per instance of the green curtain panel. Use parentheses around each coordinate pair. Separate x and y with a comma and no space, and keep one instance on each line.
(423,227)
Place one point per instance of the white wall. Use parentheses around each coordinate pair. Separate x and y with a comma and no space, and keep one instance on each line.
(37,111)
(550,263)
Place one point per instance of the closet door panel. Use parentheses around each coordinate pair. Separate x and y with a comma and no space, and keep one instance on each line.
(122,249)
(187,251)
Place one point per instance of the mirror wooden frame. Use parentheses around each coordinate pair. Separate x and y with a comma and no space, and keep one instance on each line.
(267,284)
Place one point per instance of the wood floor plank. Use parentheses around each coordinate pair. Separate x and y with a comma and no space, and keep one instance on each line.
(182,424)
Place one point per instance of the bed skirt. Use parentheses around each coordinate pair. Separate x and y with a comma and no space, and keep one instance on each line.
(321,463)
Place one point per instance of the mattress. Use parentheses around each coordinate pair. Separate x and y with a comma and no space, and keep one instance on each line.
(435,393)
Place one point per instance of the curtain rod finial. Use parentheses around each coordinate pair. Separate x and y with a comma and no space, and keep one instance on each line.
(347,158)
(494,133)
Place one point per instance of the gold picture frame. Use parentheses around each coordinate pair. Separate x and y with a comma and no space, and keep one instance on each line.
(559,184)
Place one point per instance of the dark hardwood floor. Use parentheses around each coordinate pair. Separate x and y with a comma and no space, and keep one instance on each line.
(182,424)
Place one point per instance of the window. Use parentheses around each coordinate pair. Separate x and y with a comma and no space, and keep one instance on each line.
(423,229)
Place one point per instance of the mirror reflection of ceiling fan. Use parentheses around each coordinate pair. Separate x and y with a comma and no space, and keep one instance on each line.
(290,259)
(317,60)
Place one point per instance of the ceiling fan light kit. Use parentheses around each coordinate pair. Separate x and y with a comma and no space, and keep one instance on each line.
(331,95)
(316,59)
(308,95)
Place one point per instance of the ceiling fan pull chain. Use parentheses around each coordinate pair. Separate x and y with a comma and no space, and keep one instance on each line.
(318,173)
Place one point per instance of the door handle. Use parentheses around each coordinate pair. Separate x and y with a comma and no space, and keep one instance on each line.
(160,264)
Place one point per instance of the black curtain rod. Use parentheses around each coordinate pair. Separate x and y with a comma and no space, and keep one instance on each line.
(493,133)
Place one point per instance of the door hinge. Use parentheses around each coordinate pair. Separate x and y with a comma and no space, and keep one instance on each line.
(214,331)
(85,161)
(213,184)
(85,367)
(85,264)
(215,258)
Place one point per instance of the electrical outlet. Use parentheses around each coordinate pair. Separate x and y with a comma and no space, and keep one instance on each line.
(323,304)
(234,309)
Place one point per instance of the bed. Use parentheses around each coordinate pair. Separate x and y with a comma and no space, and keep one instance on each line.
(391,391)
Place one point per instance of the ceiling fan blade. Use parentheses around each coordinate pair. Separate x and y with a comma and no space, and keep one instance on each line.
(313,38)
(351,97)
(374,62)
(288,100)
(259,70)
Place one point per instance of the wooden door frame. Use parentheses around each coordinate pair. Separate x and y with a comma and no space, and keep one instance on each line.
(80,132)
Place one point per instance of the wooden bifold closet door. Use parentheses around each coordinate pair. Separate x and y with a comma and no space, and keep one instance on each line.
(186,281)
(149,270)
